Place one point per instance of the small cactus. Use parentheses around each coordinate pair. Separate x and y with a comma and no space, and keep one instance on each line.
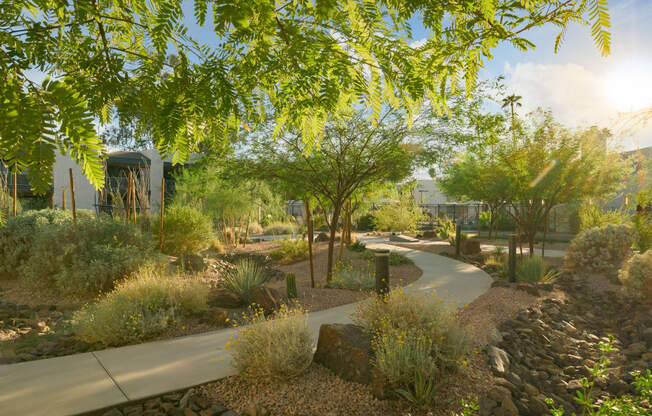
(291,285)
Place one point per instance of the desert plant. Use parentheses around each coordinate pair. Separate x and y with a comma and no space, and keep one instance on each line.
(139,308)
(281,228)
(84,256)
(346,276)
(600,250)
(395,258)
(594,216)
(534,269)
(186,230)
(401,213)
(290,251)
(216,246)
(357,246)
(365,222)
(291,285)
(273,348)
(246,275)
(642,223)
(636,276)
(417,342)
(255,228)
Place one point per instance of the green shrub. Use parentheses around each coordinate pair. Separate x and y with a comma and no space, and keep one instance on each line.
(273,348)
(346,276)
(358,246)
(290,251)
(186,230)
(395,258)
(282,228)
(594,216)
(447,230)
(636,276)
(7,203)
(417,342)
(85,256)
(139,308)
(534,269)
(600,250)
(255,228)
(246,275)
(365,222)
(643,226)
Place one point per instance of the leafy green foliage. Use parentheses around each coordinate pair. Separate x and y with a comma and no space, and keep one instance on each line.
(395,258)
(246,275)
(281,228)
(357,246)
(642,223)
(140,308)
(348,276)
(304,61)
(186,230)
(400,213)
(83,257)
(593,215)
(417,342)
(290,251)
(534,269)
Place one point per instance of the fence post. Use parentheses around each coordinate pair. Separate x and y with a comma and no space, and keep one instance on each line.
(15,193)
(72,195)
(382,272)
(458,239)
(63,198)
(512,258)
(160,223)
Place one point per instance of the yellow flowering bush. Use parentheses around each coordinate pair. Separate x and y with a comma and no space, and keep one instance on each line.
(417,342)
(140,307)
(273,348)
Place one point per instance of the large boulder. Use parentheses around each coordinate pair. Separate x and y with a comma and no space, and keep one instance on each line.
(267,298)
(498,359)
(346,350)
(223,298)
(322,237)
(471,247)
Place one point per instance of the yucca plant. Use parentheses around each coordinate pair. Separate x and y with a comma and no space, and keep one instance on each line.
(246,275)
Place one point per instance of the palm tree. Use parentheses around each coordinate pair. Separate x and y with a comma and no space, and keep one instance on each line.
(511,101)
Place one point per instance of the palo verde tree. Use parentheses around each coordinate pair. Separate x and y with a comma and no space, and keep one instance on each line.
(107,62)
(552,165)
(353,154)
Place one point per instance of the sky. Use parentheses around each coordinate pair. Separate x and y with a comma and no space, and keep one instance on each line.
(581,87)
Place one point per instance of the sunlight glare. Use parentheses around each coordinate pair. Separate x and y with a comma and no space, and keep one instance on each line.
(628,89)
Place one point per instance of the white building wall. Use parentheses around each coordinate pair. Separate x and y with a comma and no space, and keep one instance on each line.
(155,176)
(427,192)
(85,194)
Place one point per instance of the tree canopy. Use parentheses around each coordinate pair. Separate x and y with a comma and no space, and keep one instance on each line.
(124,61)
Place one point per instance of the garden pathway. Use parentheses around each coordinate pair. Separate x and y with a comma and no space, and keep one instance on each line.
(488,248)
(90,381)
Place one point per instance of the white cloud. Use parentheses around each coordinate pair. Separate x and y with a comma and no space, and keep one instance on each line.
(576,95)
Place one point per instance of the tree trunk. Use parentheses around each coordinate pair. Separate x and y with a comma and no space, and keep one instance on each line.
(244,244)
(237,240)
(530,241)
(331,241)
(491,224)
(310,241)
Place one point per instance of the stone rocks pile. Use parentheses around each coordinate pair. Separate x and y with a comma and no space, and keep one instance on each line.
(546,350)
(186,403)
(21,325)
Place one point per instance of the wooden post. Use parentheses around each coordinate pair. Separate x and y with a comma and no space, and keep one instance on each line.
(458,239)
(382,272)
(128,207)
(15,193)
(63,198)
(133,199)
(160,223)
(72,195)
(511,273)
(310,226)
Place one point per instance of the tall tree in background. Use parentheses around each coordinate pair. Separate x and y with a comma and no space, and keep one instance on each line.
(108,62)
(511,101)
(352,155)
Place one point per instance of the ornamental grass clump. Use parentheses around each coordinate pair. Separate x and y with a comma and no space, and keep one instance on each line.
(348,276)
(417,342)
(290,251)
(636,277)
(246,275)
(273,348)
(534,269)
(140,308)
(600,250)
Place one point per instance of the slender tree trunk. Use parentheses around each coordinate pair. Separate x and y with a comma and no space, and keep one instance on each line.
(237,241)
(331,242)
(491,224)
(244,244)
(310,241)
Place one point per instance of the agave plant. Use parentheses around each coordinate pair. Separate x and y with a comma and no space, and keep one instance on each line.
(246,275)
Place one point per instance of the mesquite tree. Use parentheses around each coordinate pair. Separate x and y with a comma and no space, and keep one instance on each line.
(352,155)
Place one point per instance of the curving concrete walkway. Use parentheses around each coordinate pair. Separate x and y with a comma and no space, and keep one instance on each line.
(91,381)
